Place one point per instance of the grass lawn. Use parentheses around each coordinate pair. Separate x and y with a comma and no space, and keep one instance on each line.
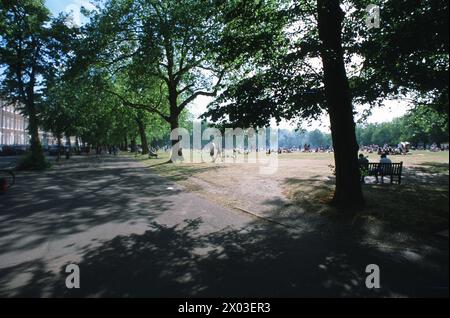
(303,184)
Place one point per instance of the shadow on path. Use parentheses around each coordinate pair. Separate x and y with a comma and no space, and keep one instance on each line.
(262,261)
(255,259)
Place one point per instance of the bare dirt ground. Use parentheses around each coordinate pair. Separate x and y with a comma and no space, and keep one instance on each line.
(303,183)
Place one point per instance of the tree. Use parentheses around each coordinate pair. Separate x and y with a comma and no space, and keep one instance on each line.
(316,138)
(407,56)
(293,84)
(22,53)
(424,124)
(30,45)
(348,190)
(104,119)
(59,116)
(169,43)
(140,116)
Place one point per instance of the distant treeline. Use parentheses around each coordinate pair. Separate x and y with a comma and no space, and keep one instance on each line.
(297,139)
(422,125)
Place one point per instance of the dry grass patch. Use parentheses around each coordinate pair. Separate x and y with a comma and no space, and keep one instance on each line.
(305,180)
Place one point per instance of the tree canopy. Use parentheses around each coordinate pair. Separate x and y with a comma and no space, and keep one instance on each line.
(130,72)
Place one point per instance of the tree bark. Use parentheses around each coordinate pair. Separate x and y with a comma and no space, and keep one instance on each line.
(133,145)
(348,192)
(58,155)
(77,145)
(125,143)
(69,146)
(176,148)
(143,135)
(33,129)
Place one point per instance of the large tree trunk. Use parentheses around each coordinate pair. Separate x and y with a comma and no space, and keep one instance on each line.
(33,129)
(58,155)
(133,145)
(348,193)
(77,146)
(176,148)
(177,151)
(125,143)
(142,133)
(69,147)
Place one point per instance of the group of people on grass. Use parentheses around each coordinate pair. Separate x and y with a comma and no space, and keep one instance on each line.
(401,149)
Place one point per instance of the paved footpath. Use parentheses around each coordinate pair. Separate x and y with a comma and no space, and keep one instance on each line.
(135,234)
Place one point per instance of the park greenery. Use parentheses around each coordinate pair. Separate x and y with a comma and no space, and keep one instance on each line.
(127,76)
(420,126)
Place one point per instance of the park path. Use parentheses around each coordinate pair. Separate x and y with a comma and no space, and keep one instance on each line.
(51,218)
(133,233)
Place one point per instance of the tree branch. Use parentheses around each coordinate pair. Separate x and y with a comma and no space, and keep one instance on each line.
(181,91)
(202,93)
(139,106)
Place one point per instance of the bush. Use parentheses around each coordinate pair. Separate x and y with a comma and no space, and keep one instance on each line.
(32,161)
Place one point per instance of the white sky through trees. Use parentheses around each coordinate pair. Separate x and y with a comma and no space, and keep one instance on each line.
(389,111)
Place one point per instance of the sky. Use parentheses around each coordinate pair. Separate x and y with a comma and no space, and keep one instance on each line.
(56,6)
(389,111)
(69,6)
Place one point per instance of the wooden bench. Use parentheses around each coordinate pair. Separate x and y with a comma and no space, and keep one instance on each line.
(376,169)
(152,154)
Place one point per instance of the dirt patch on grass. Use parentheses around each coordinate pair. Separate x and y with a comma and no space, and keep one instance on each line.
(303,185)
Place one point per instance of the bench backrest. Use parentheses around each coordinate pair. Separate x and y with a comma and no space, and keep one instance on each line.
(386,168)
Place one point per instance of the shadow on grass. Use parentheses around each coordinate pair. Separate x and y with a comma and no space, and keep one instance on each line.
(419,205)
(175,171)
(432,167)
(180,172)
(409,207)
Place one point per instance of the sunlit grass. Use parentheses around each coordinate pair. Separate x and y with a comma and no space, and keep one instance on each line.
(420,203)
